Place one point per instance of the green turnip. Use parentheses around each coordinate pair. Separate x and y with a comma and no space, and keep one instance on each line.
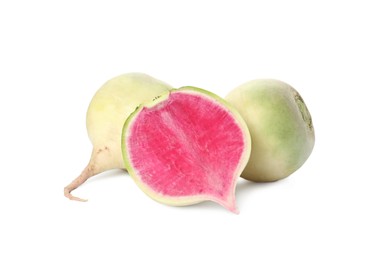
(280,126)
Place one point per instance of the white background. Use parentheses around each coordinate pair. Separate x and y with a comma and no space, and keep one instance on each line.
(54,55)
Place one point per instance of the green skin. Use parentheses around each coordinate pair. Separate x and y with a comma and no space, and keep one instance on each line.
(280,126)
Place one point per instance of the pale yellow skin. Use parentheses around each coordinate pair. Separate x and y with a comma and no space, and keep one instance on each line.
(106,115)
(280,126)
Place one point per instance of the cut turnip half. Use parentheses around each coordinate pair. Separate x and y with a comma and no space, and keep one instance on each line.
(186,146)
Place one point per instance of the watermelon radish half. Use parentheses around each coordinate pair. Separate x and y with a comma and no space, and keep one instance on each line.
(186,146)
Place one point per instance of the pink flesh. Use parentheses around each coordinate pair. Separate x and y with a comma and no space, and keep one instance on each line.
(186,145)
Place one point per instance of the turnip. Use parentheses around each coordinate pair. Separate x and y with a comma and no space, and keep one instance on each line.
(280,126)
(107,112)
(185,147)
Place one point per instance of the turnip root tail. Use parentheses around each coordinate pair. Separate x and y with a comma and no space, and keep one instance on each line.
(85,174)
(97,164)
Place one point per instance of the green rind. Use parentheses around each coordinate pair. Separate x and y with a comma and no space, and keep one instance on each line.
(188,200)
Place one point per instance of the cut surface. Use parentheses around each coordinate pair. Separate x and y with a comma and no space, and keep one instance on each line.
(187,148)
